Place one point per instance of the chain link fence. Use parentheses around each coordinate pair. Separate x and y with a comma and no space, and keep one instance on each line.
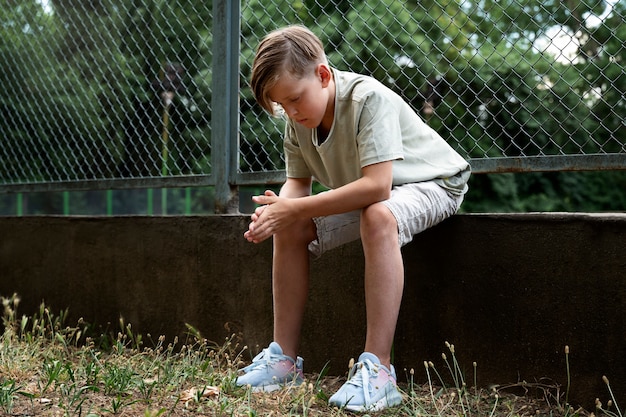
(510,84)
(151,93)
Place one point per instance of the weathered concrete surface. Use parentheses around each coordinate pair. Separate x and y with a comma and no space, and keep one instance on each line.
(509,291)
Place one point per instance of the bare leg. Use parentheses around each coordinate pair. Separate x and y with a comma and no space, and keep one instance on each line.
(384,279)
(290,283)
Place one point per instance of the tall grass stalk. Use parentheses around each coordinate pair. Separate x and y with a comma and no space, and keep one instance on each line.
(459,381)
(569,381)
(430,386)
(495,406)
(608,385)
(441,381)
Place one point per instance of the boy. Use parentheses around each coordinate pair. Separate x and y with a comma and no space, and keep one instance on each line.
(390,177)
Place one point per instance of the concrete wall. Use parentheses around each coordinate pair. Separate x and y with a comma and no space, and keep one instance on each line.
(509,291)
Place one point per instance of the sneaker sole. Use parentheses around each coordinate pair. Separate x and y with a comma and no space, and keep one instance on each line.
(267,388)
(274,387)
(377,406)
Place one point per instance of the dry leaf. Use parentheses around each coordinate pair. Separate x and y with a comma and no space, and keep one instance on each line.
(197,393)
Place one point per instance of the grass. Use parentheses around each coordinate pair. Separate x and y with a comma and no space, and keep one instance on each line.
(50,369)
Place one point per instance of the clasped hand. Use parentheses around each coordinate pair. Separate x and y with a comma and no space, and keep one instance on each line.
(273,214)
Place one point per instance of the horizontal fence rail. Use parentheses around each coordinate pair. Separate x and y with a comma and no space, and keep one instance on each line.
(150,93)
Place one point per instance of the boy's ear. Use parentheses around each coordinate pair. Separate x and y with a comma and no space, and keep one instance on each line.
(324,74)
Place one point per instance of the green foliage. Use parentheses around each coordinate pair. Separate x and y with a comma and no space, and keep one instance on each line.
(550,192)
(80,102)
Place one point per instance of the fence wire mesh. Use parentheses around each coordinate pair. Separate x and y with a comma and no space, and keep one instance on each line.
(122,90)
(104,89)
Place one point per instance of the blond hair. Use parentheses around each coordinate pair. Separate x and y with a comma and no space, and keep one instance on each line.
(294,50)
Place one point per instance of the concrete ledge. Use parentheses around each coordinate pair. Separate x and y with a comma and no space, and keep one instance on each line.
(510,291)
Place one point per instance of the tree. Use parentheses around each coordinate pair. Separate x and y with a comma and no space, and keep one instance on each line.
(27,153)
(86,81)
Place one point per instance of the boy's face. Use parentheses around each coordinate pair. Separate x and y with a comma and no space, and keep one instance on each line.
(304,100)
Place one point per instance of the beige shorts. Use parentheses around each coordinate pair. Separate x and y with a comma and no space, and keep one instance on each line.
(416,207)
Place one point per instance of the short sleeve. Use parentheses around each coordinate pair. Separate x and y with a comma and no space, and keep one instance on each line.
(295,163)
(379,134)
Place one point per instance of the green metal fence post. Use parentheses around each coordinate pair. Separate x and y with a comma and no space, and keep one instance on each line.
(109,200)
(150,196)
(66,203)
(20,204)
(225,104)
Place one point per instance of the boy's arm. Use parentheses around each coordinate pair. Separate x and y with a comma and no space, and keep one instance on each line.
(374,186)
(296,187)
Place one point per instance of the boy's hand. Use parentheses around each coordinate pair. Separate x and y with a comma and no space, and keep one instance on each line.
(273,214)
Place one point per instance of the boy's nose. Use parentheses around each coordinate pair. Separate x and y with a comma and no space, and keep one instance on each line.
(291,111)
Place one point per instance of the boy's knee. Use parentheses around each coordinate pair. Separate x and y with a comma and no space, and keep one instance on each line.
(300,232)
(377,220)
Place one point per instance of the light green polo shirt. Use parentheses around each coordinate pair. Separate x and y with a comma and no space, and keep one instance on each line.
(372,124)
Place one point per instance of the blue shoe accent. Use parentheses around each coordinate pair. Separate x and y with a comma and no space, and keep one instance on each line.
(271,370)
(370,387)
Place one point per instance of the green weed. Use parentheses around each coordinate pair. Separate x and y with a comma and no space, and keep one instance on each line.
(50,368)
(8,392)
